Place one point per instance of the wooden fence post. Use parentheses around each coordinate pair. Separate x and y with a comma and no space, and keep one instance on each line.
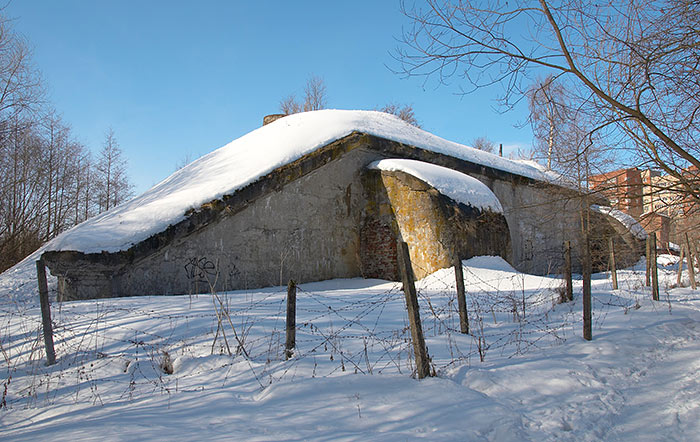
(567,271)
(647,278)
(409,291)
(613,268)
(587,313)
(654,270)
(679,277)
(691,262)
(45,312)
(291,325)
(461,297)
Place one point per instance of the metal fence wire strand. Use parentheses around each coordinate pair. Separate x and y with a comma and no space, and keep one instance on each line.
(163,344)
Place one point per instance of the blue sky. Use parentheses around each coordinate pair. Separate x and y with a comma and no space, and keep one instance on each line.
(177,79)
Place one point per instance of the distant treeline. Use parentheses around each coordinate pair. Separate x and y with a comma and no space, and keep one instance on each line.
(49,182)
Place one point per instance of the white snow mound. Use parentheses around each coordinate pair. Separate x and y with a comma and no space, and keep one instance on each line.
(248,158)
(456,185)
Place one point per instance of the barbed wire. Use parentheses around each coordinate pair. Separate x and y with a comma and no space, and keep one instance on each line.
(366,333)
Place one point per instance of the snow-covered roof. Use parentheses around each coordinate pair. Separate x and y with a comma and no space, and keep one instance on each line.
(248,158)
(456,185)
(626,220)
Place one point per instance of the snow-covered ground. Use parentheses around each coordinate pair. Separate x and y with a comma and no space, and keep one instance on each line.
(523,373)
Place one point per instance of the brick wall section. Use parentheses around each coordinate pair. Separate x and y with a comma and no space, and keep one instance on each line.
(378,250)
(623,188)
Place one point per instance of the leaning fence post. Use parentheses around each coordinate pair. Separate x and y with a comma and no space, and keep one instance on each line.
(691,263)
(647,277)
(613,268)
(291,319)
(45,312)
(654,270)
(409,291)
(461,297)
(587,313)
(567,271)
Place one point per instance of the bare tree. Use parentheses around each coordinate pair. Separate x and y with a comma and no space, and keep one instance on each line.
(404,112)
(112,182)
(290,105)
(48,179)
(184,161)
(548,116)
(22,193)
(54,168)
(84,187)
(483,143)
(20,83)
(314,94)
(565,134)
(22,185)
(314,98)
(629,66)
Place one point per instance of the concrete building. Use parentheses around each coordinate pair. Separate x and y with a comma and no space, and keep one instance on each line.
(309,197)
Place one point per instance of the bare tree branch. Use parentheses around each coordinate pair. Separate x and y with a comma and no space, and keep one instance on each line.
(629,68)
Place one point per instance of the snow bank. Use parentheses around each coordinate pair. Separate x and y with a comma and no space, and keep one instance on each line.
(487,274)
(666,260)
(632,225)
(456,185)
(488,262)
(246,159)
(524,372)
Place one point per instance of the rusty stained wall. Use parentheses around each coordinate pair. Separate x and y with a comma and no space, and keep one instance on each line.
(435,227)
(307,231)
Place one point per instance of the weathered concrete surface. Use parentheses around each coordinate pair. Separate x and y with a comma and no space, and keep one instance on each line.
(436,228)
(540,218)
(306,231)
(628,248)
(307,220)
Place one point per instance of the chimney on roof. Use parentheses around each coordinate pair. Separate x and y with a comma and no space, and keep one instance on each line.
(267,119)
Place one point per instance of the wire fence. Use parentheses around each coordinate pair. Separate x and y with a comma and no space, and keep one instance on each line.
(134,346)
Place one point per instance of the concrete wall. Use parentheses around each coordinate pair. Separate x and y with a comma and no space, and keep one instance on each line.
(307,231)
(435,228)
(540,218)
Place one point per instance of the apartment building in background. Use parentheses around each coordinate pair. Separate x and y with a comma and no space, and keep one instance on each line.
(646,195)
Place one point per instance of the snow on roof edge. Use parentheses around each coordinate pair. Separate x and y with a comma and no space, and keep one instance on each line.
(626,220)
(246,159)
(456,185)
